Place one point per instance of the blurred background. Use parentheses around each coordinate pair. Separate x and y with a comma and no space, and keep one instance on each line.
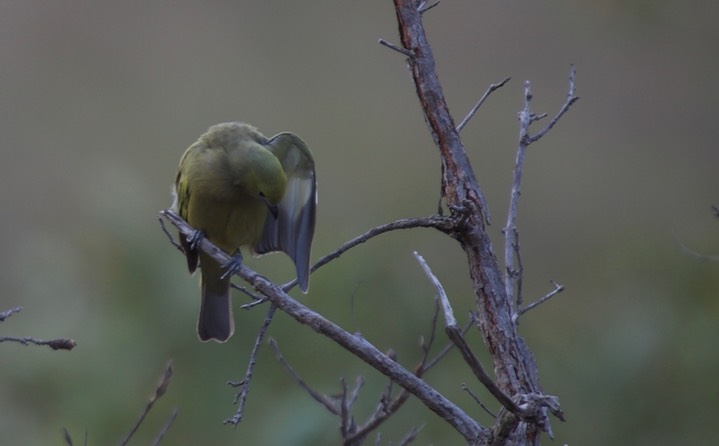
(98,100)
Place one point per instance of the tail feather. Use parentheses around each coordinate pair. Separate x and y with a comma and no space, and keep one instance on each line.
(216,321)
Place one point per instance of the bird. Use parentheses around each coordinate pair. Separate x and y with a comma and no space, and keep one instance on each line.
(239,188)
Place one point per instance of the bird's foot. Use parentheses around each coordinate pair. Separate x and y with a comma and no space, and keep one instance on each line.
(232,266)
(194,240)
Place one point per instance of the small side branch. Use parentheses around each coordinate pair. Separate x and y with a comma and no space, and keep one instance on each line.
(557,289)
(55,344)
(7,313)
(394,47)
(479,103)
(244,384)
(511,233)
(159,392)
(455,335)
(571,99)
(328,403)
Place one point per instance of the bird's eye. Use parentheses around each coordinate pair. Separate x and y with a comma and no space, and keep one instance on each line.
(262,194)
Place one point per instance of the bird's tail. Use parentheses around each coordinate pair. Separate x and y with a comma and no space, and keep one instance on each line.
(216,320)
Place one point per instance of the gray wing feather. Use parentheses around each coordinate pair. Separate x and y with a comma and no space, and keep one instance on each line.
(294,227)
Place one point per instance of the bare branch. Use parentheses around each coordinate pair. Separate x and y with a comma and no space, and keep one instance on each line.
(55,344)
(476,399)
(394,47)
(692,252)
(571,99)
(67,437)
(170,237)
(455,335)
(241,397)
(357,345)
(441,295)
(412,434)
(513,276)
(424,7)
(159,391)
(446,224)
(165,427)
(484,97)
(317,396)
(7,313)
(557,289)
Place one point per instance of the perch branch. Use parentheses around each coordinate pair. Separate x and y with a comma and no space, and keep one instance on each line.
(355,344)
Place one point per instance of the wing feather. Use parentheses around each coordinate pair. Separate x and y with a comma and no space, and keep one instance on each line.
(293,229)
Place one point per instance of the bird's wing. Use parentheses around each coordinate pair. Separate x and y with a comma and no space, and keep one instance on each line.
(294,227)
(181,206)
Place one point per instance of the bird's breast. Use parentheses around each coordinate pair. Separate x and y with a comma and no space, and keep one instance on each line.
(228,222)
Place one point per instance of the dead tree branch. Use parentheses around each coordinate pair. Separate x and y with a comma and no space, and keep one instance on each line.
(514,365)
(357,345)
(55,344)
(160,390)
(513,268)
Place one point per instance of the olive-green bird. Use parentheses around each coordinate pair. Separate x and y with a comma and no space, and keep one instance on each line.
(239,188)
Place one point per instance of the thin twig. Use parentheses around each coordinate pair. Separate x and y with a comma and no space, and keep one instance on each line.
(170,237)
(388,406)
(394,47)
(7,313)
(455,335)
(447,348)
(519,270)
(449,318)
(67,437)
(511,233)
(557,289)
(479,103)
(317,396)
(165,427)
(571,99)
(159,391)
(692,252)
(424,7)
(347,424)
(476,399)
(442,223)
(55,344)
(412,434)
(241,396)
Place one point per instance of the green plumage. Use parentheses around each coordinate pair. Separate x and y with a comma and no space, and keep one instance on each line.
(241,188)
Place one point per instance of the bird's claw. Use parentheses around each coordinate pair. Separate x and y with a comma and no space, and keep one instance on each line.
(232,266)
(194,240)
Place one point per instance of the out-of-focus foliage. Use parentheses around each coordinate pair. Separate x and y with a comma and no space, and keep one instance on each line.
(98,100)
